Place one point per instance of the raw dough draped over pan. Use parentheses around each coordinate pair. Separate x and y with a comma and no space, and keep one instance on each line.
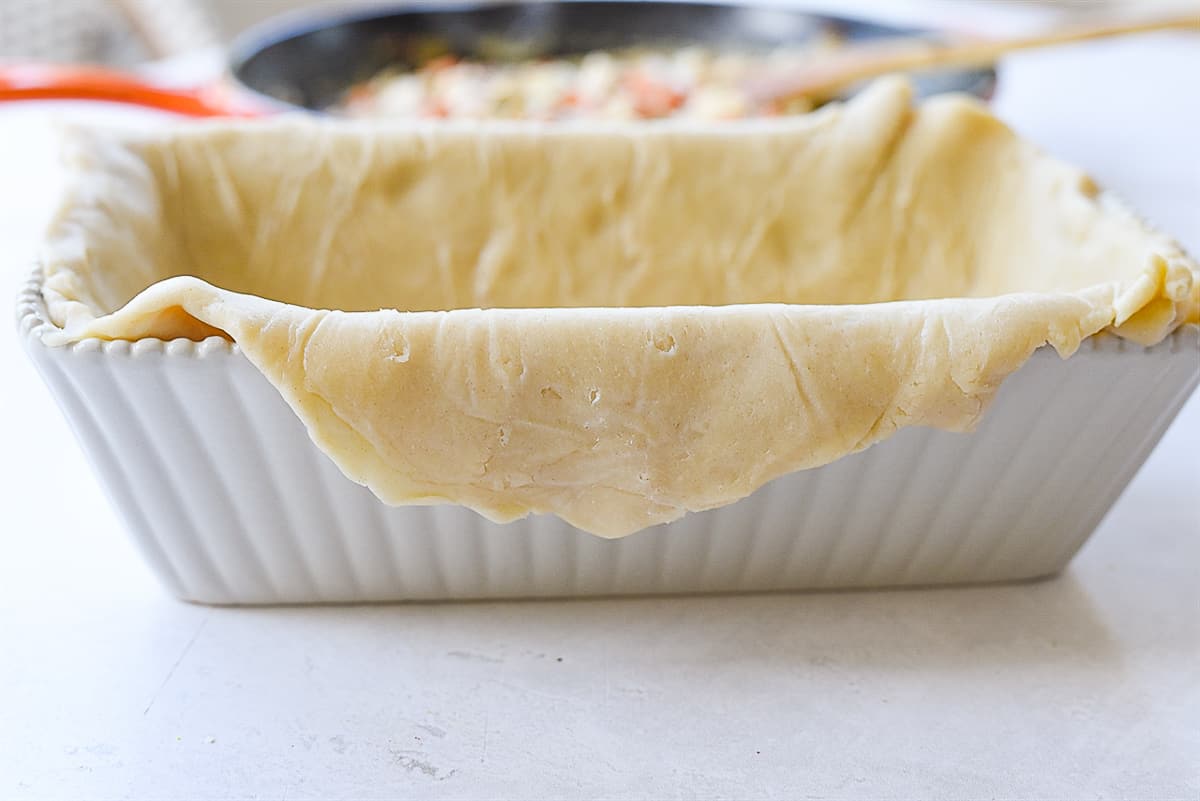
(616,326)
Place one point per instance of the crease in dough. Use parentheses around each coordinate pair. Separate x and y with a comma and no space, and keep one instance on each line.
(614,325)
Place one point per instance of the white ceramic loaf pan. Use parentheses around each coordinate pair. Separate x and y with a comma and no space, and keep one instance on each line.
(231,503)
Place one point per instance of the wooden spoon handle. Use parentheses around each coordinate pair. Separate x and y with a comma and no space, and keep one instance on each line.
(841,70)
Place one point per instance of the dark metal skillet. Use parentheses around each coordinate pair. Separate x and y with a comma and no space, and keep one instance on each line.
(310,61)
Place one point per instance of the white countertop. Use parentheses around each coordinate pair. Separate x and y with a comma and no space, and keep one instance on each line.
(1081,687)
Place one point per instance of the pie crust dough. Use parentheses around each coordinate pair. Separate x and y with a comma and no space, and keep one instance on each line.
(615,325)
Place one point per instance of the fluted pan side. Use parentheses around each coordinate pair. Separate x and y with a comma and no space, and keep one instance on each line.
(231,503)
